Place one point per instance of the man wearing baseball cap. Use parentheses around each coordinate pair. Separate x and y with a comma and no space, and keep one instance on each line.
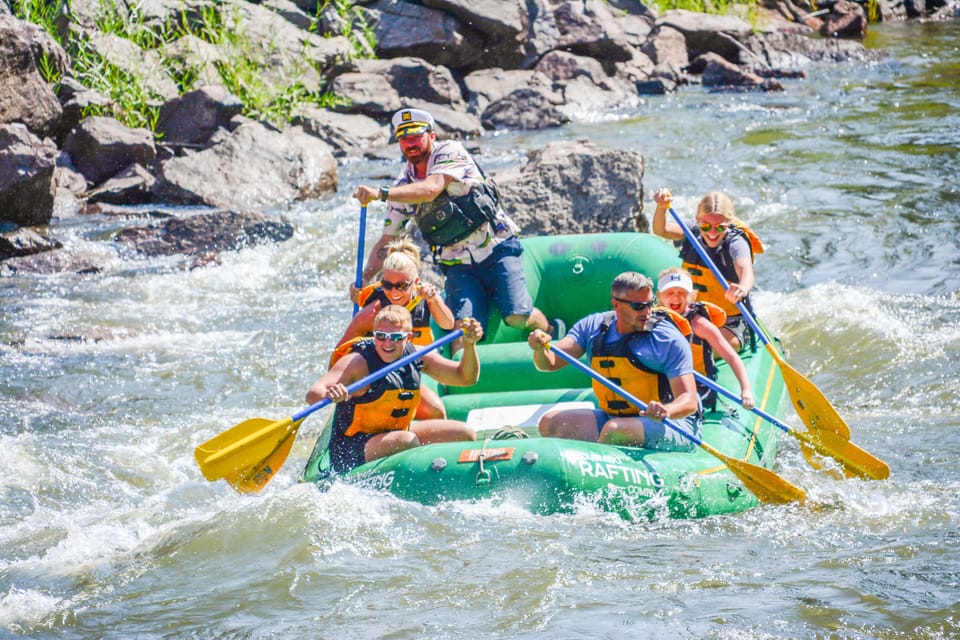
(443,192)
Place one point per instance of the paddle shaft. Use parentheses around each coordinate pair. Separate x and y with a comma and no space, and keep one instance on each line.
(380,373)
(360,239)
(730,394)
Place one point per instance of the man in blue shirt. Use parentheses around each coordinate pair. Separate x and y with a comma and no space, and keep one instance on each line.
(641,350)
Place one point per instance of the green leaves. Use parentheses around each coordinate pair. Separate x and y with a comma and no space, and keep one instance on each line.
(245,67)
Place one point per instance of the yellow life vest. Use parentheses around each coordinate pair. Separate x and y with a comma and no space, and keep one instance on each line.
(702,351)
(706,285)
(619,364)
(392,411)
(388,404)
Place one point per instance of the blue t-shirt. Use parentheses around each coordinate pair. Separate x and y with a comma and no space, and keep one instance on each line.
(664,350)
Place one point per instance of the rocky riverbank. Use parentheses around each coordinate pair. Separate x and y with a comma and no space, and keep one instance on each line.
(478,67)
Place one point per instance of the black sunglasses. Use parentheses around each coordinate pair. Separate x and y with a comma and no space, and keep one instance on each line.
(637,306)
(386,285)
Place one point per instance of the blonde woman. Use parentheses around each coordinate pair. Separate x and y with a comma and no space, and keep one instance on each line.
(729,243)
(378,420)
(400,284)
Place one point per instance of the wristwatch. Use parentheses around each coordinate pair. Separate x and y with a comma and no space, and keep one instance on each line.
(384,193)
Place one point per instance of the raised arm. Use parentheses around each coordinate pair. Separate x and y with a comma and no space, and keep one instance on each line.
(465,372)
(375,259)
(662,225)
(438,308)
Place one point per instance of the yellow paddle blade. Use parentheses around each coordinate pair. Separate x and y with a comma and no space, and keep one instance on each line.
(242,446)
(855,461)
(763,482)
(810,403)
(253,479)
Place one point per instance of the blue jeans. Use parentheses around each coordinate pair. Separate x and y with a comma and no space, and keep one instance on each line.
(469,288)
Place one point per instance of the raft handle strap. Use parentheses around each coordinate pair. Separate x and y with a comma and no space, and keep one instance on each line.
(483,475)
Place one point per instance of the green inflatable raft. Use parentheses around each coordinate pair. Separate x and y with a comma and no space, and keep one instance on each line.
(569,277)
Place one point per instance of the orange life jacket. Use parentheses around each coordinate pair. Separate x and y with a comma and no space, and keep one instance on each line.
(388,404)
(706,285)
(617,362)
(702,351)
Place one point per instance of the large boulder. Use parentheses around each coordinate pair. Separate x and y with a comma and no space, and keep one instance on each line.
(24,95)
(101,147)
(498,23)
(26,175)
(525,108)
(347,135)
(706,33)
(405,29)
(410,78)
(489,85)
(191,119)
(575,187)
(252,167)
(589,28)
(368,94)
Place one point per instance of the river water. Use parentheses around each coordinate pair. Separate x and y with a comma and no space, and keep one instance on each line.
(108,382)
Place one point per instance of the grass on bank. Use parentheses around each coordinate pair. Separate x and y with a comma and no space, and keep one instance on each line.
(244,67)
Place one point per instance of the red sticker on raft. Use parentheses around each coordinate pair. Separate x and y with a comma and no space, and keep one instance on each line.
(473,455)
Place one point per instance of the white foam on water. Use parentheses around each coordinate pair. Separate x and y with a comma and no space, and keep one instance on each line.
(21,609)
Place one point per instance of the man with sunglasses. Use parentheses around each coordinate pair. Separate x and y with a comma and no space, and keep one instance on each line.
(444,193)
(379,420)
(640,349)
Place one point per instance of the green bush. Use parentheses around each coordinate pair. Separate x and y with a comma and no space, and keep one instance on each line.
(243,69)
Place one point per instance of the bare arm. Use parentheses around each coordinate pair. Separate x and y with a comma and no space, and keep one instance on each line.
(685,398)
(662,226)
(362,323)
(544,359)
(333,384)
(439,310)
(412,193)
(706,330)
(465,372)
(375,259)
(738,290)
